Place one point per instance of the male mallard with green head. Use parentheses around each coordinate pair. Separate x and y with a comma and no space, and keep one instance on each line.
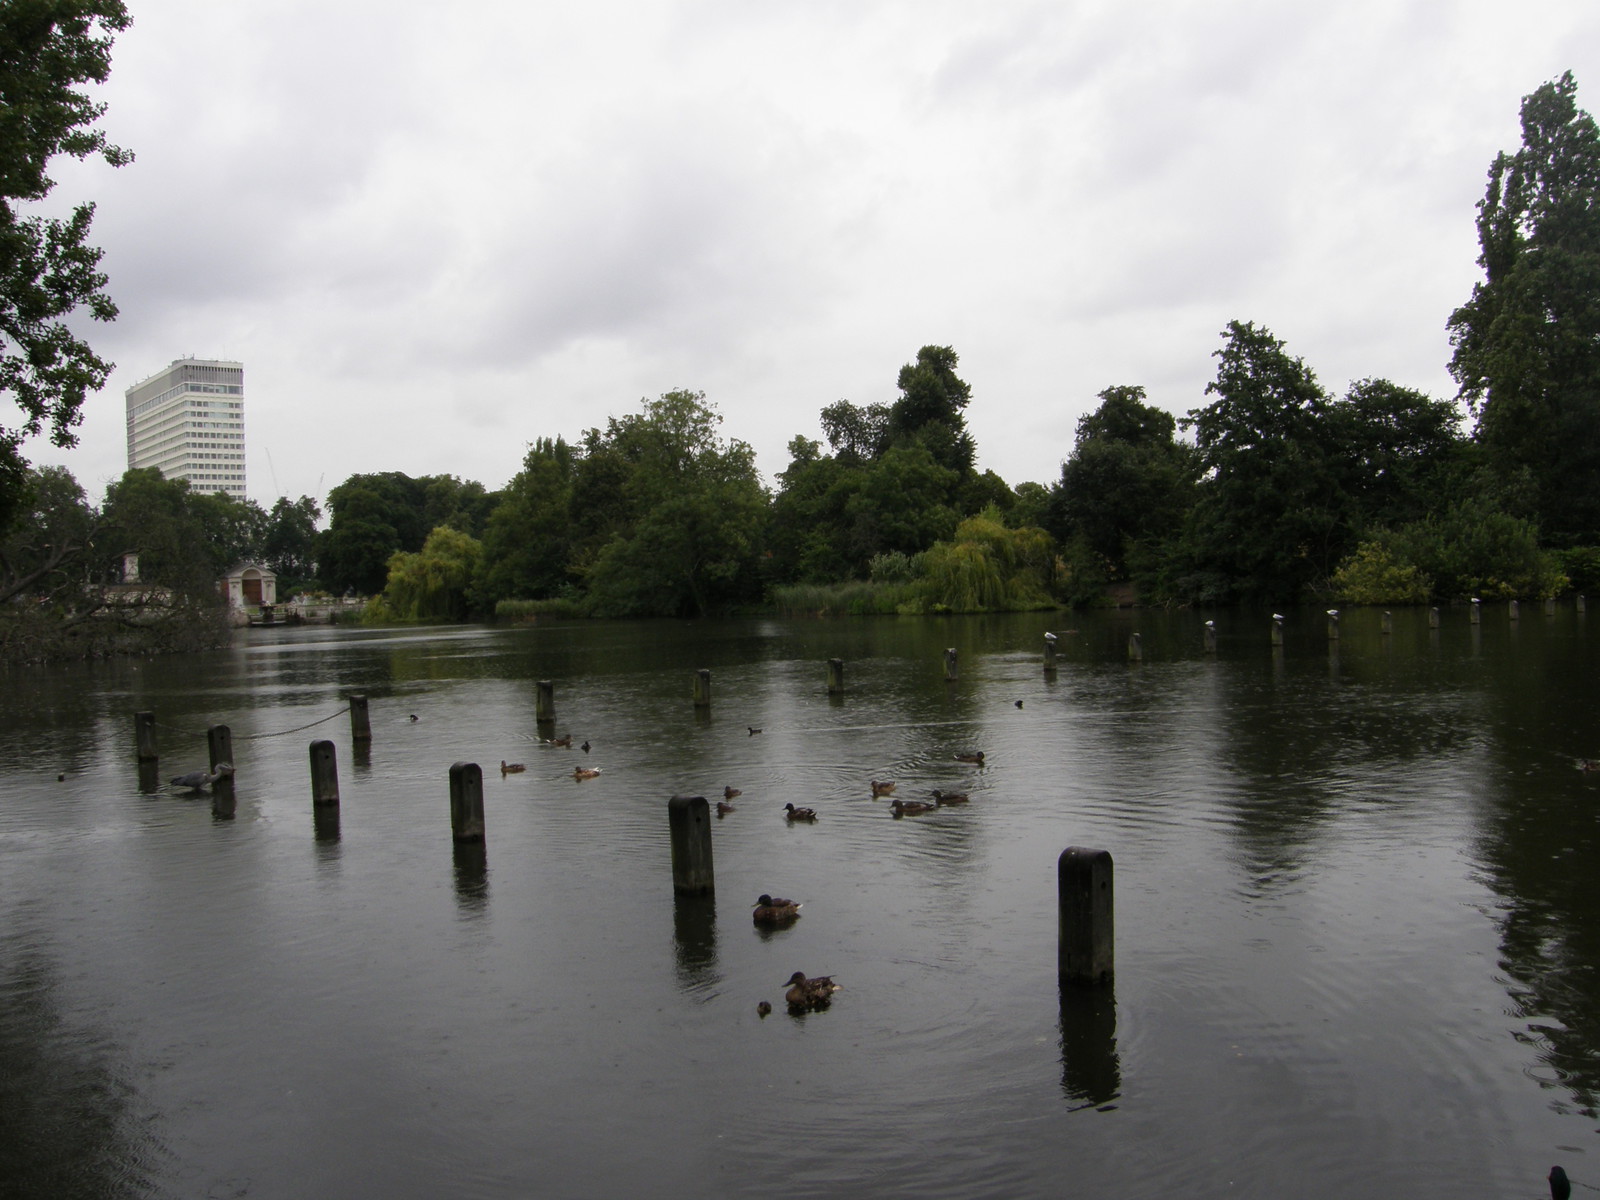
(769,911)
(806,993)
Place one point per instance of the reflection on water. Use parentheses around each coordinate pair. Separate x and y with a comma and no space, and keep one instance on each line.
(1358,937)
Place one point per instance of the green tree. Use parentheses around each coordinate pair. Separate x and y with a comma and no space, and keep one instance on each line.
(371,517)
(49,552)
(48,269)
(528,541)
(931,408)
(185,540)
(1527,343)
(289,543)
(434,583)
(1403,455)
(692,506)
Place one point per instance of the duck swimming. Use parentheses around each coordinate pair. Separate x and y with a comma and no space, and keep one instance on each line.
(971,756)
(585,772)
(511,768)
(882,787)
(800,814)
(769,911)
(911,808)
(806,993)
(724,808)
(728,793)
(564,741)
(949,797)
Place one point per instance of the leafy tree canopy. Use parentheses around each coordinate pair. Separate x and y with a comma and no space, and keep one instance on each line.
(48,271)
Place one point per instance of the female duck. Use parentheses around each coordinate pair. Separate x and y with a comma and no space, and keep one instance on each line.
(806,993)
(770,911)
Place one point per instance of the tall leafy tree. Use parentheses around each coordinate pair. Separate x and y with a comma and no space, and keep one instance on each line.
(528,540)
(48,269)
(931,408)
(1527,342)
(289,544)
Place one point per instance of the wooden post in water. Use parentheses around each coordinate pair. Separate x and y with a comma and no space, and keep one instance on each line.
(689,823)
(1211,637)
(1086,941)
(544,708)
(1476,614)
(835,676)
(144,736)
(219,742)
(1514,611)
(1433,618)
(1386,626)
(360,723)
(702,688)
(1582,607)
(1277,629)
(951,673)
(1549,606)
(466,802)
(1049,651)
(324,774)
(1135,648)
(1333,624)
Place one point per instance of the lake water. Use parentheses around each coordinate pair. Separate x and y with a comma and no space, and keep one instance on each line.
(1357,915)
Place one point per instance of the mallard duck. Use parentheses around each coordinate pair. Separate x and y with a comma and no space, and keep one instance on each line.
(769,911)
(195,780)
(585,746)
(511,768)
(911,808)
(949,797)
(882,787)
(806,993)
(763,1009)
(728,793)
(564,741)
(753,730)
(800,814)
(585,772)
(724,808)
(971,756)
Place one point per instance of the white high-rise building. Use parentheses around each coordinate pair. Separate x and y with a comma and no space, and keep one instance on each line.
(188,422)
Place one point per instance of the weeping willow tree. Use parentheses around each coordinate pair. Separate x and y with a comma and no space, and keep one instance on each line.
(434,584)
(987,567)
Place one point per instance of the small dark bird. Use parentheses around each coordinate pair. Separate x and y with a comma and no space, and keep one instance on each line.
(564,741)
(753,730)
(61,778)
(804,994)
(724,808)
(800,814)
(971,756)
(882,787)
(949,797)
(511,768)
(584,747)
(1018,703)
(1560,1185)
(911,808)
(763,1009)
(728,793)
(413,716)
(768,911)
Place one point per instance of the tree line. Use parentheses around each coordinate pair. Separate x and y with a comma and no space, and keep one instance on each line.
(1273,490)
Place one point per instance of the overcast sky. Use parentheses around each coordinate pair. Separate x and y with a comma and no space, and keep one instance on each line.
(434,233)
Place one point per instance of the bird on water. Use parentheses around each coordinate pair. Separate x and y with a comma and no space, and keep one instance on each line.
(882,787)
(806,993)
(911,808)
(724,808)
(511,768)
(729,792)
(799,814)
(770,911)
(971,756)
(949,797)
(581,773)
(195,780)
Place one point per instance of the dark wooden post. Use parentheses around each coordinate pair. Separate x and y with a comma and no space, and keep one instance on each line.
(689,822)
(1433,618)
(1087,928)
(1386,626)
(1135,648)
(144,736)
(466,802)
(1049,652)
(1333,624)
(1514,611)
(951,670)
(1476,614)
(702,688)
(219,744)
(835,676)
(544,708)
(1211,637)
(1277,629)
(324,773)
(360,724)
(1582,606)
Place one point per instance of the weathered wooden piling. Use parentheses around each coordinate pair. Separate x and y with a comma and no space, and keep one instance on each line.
(689,823)
(1549,606)
(1476,613)
(544,708)
(144,736)
(1084,904)
(324,773)
(1333,624)
(466,802)
(951,672)
(835,676)
(1211,637)
(1514,611)
(1386,625)
(1582,607)
(1277,629)
(360,724)
(1433,618)
(702,688)
(1135,648)
(219,745)
(1049,652)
